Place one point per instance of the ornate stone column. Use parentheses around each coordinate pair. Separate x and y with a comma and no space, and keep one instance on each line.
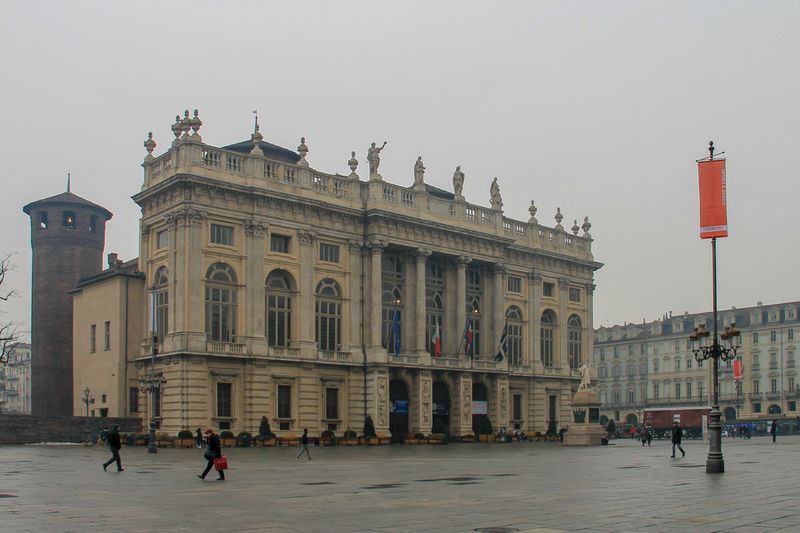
(461,263)
(376,248)
(307,342)
(462,407)
(421,256)
(498,313)
(424,403)
(356,298)
(588,330)
(563,293)
(194,287)
(254,231)
(535,314)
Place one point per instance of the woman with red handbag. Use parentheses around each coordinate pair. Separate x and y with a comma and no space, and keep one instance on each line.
(213,452)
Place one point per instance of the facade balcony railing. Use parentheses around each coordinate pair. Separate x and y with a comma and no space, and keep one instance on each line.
(790,363)
(773,395)
(773,365)
(755,395)
(731,398)
(755,367)
(327,355)
(225,347)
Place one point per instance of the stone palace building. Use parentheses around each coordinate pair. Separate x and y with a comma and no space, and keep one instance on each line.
(315,299)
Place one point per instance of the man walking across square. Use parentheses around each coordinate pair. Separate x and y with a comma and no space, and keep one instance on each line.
(304,444)
(677,432)
(115,445)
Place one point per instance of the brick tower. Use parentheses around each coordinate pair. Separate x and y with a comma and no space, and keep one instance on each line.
(67,238)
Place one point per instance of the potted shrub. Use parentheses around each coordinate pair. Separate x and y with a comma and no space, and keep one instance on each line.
(469,437)
(436,438)
(140,439)
(186,439)
(226,438)
(163,440)
(244,439)
(348,438)
(266,439)
(328,438)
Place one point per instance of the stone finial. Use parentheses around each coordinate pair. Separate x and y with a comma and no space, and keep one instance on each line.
(494,195)
(302,150)
(353,164)
(256,139)
(195,122)
(532,210)
(149,145)
(575,227)
(458,183)
(559,217)
(177,128)
(586,226)
(186,124)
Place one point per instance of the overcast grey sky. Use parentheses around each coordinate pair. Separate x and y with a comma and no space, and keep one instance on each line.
(600,108)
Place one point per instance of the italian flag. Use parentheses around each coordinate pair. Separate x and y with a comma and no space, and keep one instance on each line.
(436,341)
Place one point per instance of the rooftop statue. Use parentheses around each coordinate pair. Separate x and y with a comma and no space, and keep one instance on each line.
(496,199)
(374,158)
(458,181)
(419,171)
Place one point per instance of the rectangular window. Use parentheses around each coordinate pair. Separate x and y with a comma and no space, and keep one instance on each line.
(688,391)
(616,352)
(224,398)
(677,391)
(755,386)
(755,337)
(517,407)
(757,407)
(328,252)
(677,346)
(630,349)
(790,334)
(773,336)
(284,401)
(514,284)
(655,392)
(738,388)
(700,390)
(547,289)
(107,334)
(331,404)
(162,239)
(133,398)
(103,398)
(92,338)
(791,385)
(279,243)
(791,406)
(222,234)
(602,354)
(773,386)
(574,295)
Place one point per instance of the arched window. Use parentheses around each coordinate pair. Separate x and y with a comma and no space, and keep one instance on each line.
(328,315)
(161,297)
(615,397)
(631,397)
(574,344)
(546,337)
(68,219)
(279,285)
(434,302)
(221,303)
(474,312)
(514,335)
(391,303)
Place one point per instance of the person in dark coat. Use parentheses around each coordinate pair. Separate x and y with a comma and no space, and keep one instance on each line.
(774,430)
(677,433)
(115,445)
(199,438)
(214,451)
(304,444)
(643,436)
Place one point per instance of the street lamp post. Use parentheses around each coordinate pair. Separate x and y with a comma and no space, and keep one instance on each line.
(731,342)
(152,387)
(87,400)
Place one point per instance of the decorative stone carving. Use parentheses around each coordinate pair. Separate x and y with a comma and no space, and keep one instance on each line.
(466,400)
(186,125)
(426,401)
(355,247)
(195,123)
(376,246)
(353,164)
(575,227)
(303,151)
(495,199)
(255,228)
(462,261)
(586,226)
(306,238)
(499,269)
(256,139)
(502,403)
(374,159)
(535,278)
(149,145)
(458,183)
(558,218)
(176,129)
(421,254)
(532,210)
(382,402)
(590,287)
(419,173)
(563,284)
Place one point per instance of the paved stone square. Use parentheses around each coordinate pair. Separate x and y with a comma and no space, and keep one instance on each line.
(452,488)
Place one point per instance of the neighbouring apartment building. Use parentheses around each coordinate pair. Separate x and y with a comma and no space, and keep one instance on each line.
(315,299)
(15,381)
(651,365)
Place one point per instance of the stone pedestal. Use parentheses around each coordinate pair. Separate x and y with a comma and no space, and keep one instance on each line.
(585,429)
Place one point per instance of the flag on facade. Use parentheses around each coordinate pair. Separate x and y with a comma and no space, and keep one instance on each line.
(737,370)
(503,346)
(468,346)
(436,341)
(396,330)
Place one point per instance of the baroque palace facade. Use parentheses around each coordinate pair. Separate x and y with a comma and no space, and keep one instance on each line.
(651,366)
(278,290)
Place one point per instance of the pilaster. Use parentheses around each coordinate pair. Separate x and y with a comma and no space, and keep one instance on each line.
(421,256)
(561,354)
(455,334)
(255,331)
(357,296)
(307,341)
(375,350)
(534,329)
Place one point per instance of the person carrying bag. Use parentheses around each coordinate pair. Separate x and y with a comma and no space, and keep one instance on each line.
(213,454)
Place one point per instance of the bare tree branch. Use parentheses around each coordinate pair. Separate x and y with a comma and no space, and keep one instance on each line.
(9,331)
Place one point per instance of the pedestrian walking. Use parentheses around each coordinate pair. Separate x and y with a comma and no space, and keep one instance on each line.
(304,445)
(677,433)
(774,430)
(115,445)
(213,452)
(199,438)
(643,436)
(649,436)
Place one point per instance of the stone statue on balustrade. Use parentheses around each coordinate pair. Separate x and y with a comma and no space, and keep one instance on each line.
(496,200)
(458,183)
(419,172)
(374,159)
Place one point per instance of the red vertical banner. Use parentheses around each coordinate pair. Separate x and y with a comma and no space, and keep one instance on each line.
(713,199)
(737,370)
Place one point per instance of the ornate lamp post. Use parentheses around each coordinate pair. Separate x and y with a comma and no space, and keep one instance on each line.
(87,399)
(153,387)
(702,349)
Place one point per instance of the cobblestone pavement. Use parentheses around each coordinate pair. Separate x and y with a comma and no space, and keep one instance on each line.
(542,487)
